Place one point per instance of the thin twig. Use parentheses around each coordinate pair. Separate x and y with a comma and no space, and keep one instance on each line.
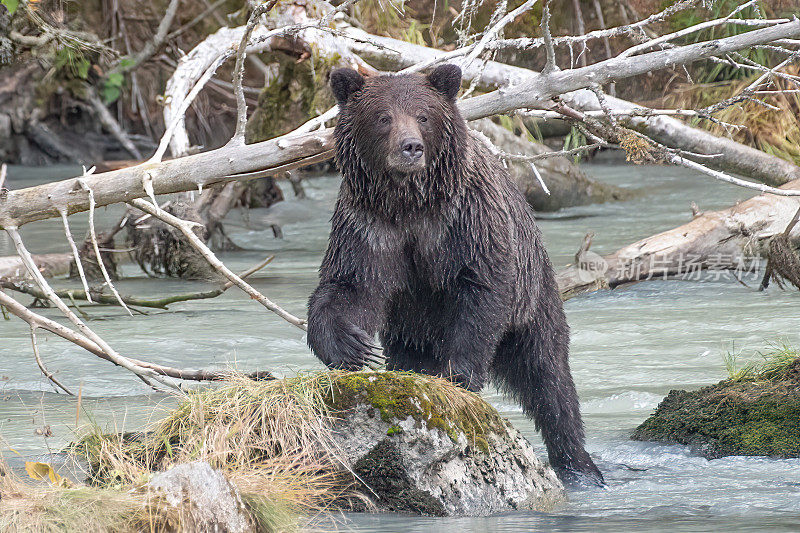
(238,71)
(96,247)
(144,374)
(40,363)
(22,312)
(208,10)
(75,254)
(185,227)
(151,46)
(492,32)
(111,124)
(157,303)
(326,20)
(688,163)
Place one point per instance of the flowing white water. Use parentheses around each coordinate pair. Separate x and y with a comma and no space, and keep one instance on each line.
(629,348)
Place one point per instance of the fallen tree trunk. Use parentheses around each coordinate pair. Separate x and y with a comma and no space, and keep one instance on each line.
(49,265)
(732,239)
(733,156)
(242,162)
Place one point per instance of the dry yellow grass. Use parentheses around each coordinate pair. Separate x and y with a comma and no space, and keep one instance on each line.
(774,132)
(273,439)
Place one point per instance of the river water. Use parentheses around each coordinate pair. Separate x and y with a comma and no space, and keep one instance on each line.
(630,346)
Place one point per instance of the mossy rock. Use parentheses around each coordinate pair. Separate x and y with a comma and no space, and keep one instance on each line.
(752,415)
(392,441)
(423,445)
(432,402)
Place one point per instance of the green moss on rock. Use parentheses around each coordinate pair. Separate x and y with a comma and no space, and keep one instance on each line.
(434,402)
(752,415)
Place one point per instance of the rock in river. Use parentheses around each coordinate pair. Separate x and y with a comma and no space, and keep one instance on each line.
(421,445)
(756,413)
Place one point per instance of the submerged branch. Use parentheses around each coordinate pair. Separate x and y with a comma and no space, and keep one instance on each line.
(96,296)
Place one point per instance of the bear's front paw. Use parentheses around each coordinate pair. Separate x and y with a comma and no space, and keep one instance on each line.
(352,349)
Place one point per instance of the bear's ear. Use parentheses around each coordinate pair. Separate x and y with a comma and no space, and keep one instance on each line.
(446,79)
(344,82)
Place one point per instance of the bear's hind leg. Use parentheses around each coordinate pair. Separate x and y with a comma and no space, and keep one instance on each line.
(532,366)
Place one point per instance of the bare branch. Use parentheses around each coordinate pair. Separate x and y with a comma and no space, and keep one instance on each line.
(110,123)
(41,366)
(492,32)
(185,227)
(688,163)
(699,27)
(530,91)
(157,303)
(151,46)
(96,246)
(550,66)
(76,255)
(33,319)
(238,71)
(144,374)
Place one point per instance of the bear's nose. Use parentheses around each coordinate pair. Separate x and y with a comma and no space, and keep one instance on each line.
(412,148)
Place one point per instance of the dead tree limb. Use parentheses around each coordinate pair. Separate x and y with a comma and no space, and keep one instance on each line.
(96,296)
(186,228)
(291,151)
(145,374)
(38,321)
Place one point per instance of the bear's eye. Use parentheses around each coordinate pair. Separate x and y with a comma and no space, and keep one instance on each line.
(422,118)
(384,119)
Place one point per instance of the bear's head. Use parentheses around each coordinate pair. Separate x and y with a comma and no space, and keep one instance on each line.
(398,124)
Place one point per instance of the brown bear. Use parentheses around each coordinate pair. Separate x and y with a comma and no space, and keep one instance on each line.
(434,248)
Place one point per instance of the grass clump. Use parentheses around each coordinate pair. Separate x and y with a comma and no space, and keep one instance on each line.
(45,508)
(775,363)
(273,439)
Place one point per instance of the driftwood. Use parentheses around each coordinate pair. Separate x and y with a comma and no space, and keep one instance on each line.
(295,150)
(236,162)
(734,157)
(735,239)
(49,265)
(96,295)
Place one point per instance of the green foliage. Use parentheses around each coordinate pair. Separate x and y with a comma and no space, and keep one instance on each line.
(72,61)
(774,363)
(413,34)
(11,5)
(575,139)
(112,87)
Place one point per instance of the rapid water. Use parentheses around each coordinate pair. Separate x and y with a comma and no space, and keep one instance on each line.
(629,348)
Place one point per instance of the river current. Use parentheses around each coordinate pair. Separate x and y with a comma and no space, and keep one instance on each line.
(630,346)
